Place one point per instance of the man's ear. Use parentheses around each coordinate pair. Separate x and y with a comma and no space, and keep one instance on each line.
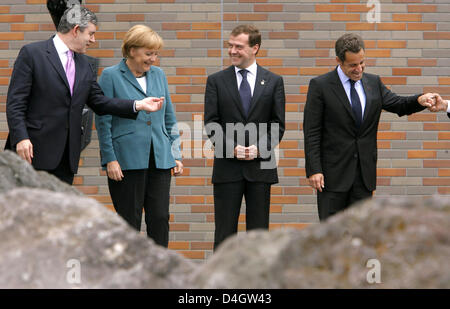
(75,30)
(338,60)
(256,49)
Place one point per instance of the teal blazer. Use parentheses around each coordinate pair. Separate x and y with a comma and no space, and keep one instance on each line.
(128,140)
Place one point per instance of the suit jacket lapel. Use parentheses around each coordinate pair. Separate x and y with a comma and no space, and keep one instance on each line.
(130,77)
(54,59)
(339,90)
(368,91)
(230,82)
(260,83)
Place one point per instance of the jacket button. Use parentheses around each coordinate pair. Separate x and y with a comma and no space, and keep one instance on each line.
(355,156)
(149,122)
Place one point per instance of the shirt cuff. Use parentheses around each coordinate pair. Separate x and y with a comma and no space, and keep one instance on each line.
(134,106)
(448,106)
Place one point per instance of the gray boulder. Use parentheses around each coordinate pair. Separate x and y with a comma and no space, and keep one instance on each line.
(382,243)
(16,172)
(55,240)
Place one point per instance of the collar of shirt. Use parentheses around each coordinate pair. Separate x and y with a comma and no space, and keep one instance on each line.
(345,80)
(251,75)
(61,49)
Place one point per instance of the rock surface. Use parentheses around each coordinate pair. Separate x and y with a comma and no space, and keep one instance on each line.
(65,240)
(55,240)
(407,240)
(16,172)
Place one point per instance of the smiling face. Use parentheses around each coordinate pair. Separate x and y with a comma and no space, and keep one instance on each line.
(83,39)
(141,59)
(354,64)
(242,55)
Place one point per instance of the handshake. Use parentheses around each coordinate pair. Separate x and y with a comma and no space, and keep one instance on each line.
(434,102)
(150,104)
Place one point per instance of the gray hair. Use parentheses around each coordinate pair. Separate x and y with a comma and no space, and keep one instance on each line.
(76,15)
(349,42)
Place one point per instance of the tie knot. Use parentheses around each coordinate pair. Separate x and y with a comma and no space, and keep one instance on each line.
(243,73)
(69,53)
(352,82)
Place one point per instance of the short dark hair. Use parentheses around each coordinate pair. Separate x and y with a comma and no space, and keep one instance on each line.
(349,42)
(254,37)
(56,8)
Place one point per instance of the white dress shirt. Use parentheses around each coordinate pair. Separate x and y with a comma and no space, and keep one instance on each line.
(62,49)
(251,76)
(345,80)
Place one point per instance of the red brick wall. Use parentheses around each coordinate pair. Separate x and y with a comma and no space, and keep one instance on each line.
(409,48)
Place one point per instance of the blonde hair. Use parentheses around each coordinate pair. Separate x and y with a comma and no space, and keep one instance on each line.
(141,36)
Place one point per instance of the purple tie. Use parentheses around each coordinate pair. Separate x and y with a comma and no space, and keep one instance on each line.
(70,70)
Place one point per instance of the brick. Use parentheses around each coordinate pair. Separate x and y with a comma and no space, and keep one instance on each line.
(391,135)
(12,18)
(444,172)
(298,26)
(391,172)
(421,8)
(130,17)
(345,17)
(314,71)
(283,35)
(330,8)
(378,53)
(360,26)
(415,154)
(206,26)
(357,8)
(391,44)
(394,80)
(436,145)
(441,181)
(176,26)
(422,62)
(422,27)
(268,7)
(8,36)
(191,71)
(436,126)
(252,17)
(391,26)
(436,35)
(407,71)
(406,17)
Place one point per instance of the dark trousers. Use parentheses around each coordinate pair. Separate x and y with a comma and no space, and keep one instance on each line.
(148,189)
(63,171)
(227,206)
(329,203)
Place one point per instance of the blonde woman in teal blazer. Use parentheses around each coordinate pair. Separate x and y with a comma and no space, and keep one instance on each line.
(139,154)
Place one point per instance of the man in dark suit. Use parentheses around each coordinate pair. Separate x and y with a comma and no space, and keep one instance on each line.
(244,118)
(340,125)
(50,84)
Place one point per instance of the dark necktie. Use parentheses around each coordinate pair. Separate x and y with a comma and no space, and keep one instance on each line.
(245,92)
(356,104)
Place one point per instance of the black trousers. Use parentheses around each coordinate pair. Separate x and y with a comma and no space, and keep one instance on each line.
(329,203)
(147,189)
(227,206)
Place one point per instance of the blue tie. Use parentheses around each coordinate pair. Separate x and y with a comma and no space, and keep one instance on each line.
(245,92)
(356,104)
